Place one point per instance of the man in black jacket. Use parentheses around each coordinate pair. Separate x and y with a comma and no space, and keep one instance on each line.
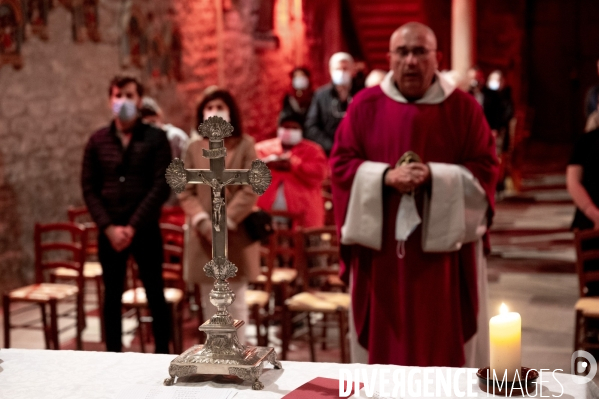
(124,188)
(330,102)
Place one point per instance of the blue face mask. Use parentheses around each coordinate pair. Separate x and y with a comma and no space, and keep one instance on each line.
(125,110)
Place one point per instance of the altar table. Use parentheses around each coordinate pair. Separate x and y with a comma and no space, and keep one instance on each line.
(46,374)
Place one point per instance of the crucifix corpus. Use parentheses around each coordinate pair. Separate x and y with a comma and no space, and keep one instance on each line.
(222,354)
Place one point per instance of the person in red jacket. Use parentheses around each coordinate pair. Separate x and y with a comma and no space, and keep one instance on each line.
(298,169)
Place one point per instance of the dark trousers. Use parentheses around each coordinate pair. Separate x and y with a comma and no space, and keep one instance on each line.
(146,249)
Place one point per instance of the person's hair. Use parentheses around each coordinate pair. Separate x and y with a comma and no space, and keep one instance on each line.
(305,70)
(122,81)
(149,107)
(338,57)
(213,93)
(291,117)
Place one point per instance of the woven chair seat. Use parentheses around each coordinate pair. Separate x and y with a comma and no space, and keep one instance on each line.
(256,297)
(90,270)
(325,302)
(589,306)
(43,292)
(280,275)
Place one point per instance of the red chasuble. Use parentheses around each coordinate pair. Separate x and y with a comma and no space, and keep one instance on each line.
(419,310)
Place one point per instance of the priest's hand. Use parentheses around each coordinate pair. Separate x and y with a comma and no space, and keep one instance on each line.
(408,177)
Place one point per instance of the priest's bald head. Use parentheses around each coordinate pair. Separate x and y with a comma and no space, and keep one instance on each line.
(413,58)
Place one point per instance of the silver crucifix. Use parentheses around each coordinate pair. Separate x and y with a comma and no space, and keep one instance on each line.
(222,353)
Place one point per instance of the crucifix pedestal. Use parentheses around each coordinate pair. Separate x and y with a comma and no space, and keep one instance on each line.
(222,354)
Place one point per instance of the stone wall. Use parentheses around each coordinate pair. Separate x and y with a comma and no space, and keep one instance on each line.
(50,107)
(47,111)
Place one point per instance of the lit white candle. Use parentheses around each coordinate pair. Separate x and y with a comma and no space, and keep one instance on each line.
(505,331)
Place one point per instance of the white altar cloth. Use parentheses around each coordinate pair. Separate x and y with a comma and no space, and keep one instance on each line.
(45,374)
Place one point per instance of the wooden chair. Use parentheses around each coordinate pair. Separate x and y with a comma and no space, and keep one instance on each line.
(92,269)
(320,260)
(280,255)
(586,331)
(50,255)
(174,291)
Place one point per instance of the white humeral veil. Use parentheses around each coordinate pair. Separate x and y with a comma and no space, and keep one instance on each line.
(454,214)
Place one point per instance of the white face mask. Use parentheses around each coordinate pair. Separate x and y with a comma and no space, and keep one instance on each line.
(300,82)
(406,222)
(493,84)
(289,136)
(123,109)
(341,78)
(222,113)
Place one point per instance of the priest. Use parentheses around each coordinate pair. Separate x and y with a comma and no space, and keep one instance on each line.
(412,231)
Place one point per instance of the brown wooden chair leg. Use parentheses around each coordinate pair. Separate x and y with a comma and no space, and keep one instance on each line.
(45,325)
(285,331)
(6,306)
(140,332)
(177,327)
(255,310)
(265,324)
(54,325)
(577,332)
(342,335)
(323,335)
(311,338)
(80,321)
(100,296)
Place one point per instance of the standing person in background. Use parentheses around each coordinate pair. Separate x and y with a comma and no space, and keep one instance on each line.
(152,114)
(330,102)
(196,202)
(476,83)
(124,189)
(298,169)
(374,78)
(499,108)
(582,181)
(590,102)
(298,99)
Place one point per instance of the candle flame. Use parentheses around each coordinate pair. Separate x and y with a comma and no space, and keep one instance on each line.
(503,309)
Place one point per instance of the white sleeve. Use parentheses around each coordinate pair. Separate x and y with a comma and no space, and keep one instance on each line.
(364,218)
(456,212)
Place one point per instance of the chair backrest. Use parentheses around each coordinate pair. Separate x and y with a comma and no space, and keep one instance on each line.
(283,220)
(587,259)
(81,215)
(283,250)
(59,245)
(172,215)
(320,255)
(173,244)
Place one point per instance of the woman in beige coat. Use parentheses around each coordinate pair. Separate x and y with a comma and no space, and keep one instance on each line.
(197,204)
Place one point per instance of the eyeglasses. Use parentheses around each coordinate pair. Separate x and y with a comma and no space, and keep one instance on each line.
(417,52)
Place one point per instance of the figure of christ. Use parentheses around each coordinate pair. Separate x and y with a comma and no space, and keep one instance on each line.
(218,201)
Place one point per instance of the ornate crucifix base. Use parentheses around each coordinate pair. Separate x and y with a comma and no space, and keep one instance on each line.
(222,354)
(247,365)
